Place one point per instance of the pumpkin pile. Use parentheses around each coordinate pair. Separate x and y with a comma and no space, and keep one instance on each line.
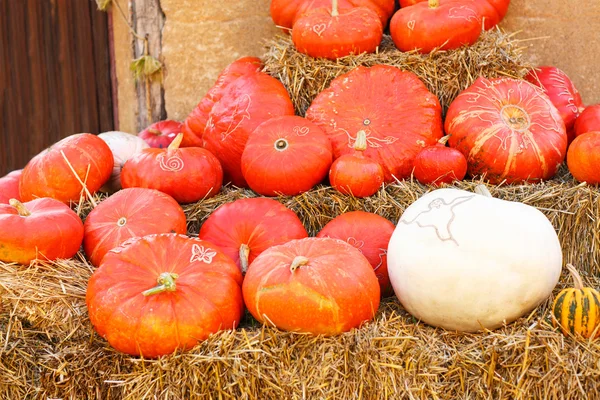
(156,290)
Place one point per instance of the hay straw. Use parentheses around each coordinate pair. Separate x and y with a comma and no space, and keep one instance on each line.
(445,73)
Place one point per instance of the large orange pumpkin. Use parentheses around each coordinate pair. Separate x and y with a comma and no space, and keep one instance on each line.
(194,124)
(130,213)
(312,285)
(9,186)
(187,174)
(369,233)
(160,293)
(394,108)
(245,103)
(245,228)
(286,155)
(52,172)
(44,229)
(583,158)
(507,129)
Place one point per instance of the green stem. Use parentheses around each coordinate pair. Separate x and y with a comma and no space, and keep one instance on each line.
(298,261)
(244,253)
(166,283)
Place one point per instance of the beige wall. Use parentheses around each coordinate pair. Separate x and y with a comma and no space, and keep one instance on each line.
(201,37)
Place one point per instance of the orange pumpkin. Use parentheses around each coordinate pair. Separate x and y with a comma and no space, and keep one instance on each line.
(440,164)
(313,285)
(9,186)
(588,120)
(583,158)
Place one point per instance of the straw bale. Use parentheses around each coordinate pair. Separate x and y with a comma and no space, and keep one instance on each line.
(445,72)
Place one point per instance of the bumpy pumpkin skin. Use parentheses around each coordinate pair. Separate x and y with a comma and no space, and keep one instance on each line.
(577,310)
(468,282)
(245,228)
(588,120)
(160,134)
(123,146)
(332,291)
(130,213)
(194,124)
(583,158)
(286,155)
(507,129)
(49,175)
(51,231)
(158,324)
(321,33)
(369,233)
(393,107)
(9,186)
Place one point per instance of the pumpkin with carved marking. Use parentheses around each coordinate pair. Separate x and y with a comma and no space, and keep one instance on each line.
(244,104)
(443,24)
(129,213)
(395,110)
(44,229)
(369,233)
(194,124)
(9,186)
(577,310)
(286,156)
(329,33)
(583,158)
(440,164)
(285,13)
(245,228)
(561,91)
(187,174)
(508,129)
(123,146)
(160,134)
(320,286)
(64,170)
(158,294)
(588,120)
(468,261)
(491,11)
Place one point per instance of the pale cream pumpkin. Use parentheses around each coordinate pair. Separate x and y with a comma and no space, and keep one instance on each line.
(123,146)
(466,261)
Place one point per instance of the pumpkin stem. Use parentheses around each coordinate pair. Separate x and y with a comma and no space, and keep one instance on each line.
(334,8)
(444,140)
(361,141)
(434,3)
(176,142)
(21,209)
(483,190)
(166,283)
(154,131)
(298,261)
(576,277)
(244,253)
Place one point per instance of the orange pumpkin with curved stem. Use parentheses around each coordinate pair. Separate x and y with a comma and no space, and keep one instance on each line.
(394,108)
(329,33)
(156,294)
(187,174)
(356,174)
(195,123)
(44,229)
(312,285)
(59,171)
(285,13)
(245,228)
(436,24)
(369,233)
(588,120)
(440,164)
(583,158)
(9,186)
(507,129)
(130,213)
(286,155)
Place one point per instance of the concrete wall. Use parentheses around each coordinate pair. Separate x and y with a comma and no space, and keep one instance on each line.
(200,37)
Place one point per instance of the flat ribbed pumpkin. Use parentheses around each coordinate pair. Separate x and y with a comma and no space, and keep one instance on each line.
(394,108)
(577,310)
(507,129)
(583,158)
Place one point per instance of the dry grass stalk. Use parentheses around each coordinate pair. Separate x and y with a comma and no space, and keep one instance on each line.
(445,73)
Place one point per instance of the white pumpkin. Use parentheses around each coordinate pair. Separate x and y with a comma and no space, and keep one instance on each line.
(466,261)
(123,146)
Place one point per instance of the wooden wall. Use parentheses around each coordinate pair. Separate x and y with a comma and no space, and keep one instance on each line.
(54,75)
